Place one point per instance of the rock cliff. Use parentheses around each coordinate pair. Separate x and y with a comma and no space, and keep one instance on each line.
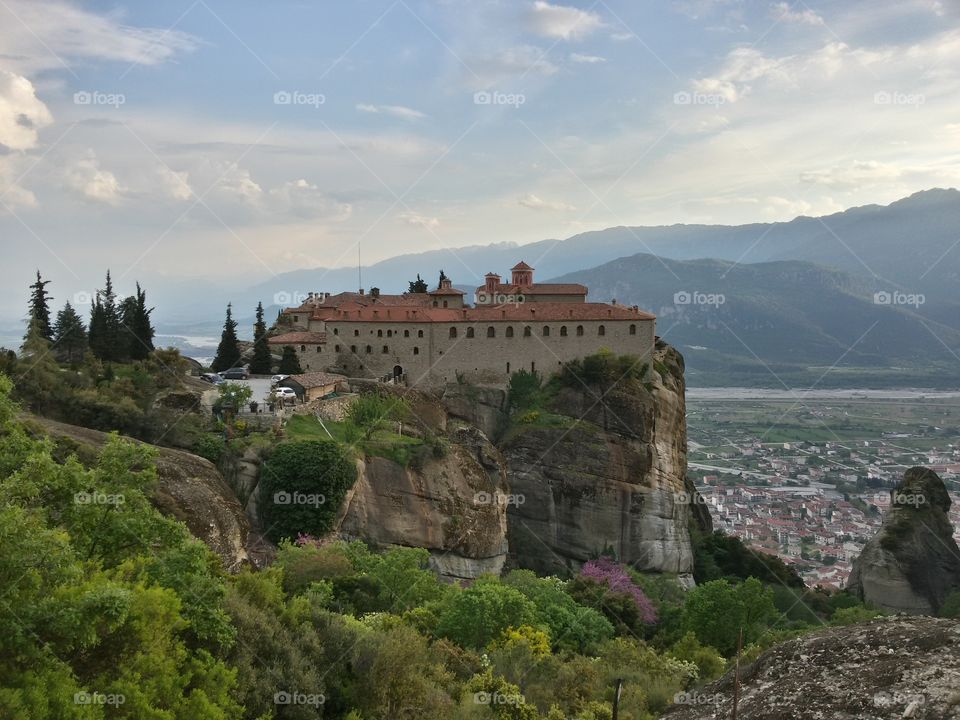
(913,562)
(893,667)
(611,476)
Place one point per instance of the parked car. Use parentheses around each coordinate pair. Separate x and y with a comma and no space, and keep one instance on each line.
(214,378)
(278,379)
(235,373)
(285,394)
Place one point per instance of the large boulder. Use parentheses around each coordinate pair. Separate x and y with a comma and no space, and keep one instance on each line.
(893,667)
(913,562)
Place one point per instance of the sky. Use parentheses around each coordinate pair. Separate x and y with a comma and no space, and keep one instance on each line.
(230,141)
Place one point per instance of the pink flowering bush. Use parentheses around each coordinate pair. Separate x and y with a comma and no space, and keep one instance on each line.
(612,574)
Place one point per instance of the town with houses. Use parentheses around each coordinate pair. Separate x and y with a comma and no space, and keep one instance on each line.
(812,504)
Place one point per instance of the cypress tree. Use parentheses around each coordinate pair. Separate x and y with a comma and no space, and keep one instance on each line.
(40,309)
(261,362)
(289,362)
(137,328)
(228,351)
(105,338)
(69,335)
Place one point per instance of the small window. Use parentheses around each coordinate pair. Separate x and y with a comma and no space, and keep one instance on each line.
(453,332)
(491,331)
(353,349)
(336,348)
(508,368)
(303,348)
(533,366)
(356,333)
(579,330)
(406,333)
(319,349)
(633,329)
(379,333)
(526,331)
(419,333)
(444,303)
(336,331)
(369,349)
(601,330)
(563,331)
(546,331)
(509,333)
(469,332)
(389,333)
(385,349)
(416,351)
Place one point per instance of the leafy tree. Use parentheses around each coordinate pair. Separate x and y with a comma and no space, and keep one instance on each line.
(40,308)
(524,390)
(104,333)
(710,663)
(419,285)
(261,361)
(481,613)
(717,610)
(228,351)
(69,335)
(234,395)
(302,486)
(289,361)
(39,380)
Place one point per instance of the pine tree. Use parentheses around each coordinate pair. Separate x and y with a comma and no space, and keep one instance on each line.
(228,351)
(105,338)
(40,309)
(261,362)
(38,386)
(137,329)
(419,285)
(69,335)
(443,276)
(289,362)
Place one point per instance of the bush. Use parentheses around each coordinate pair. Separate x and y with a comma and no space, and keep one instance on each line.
(302,486)
(210,446)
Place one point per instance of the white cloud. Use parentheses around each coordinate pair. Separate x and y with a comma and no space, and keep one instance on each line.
(418,220)
(22,114)
(586,59)
(856,174)
(174,184)
(535,202)
(306,200)
(497,69)
(561,22)
(783,12)
(87,178)
(398,111)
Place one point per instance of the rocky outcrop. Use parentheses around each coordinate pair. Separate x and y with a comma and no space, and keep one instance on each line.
(479,405)
(448,506)
(188,488)
(610,475)
(913,562)
(894,667)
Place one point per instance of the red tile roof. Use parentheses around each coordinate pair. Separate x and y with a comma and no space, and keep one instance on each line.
(446,291)
(521,266)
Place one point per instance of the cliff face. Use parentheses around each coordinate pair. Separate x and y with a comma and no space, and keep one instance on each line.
(612,477)
(890,668)
(913,562)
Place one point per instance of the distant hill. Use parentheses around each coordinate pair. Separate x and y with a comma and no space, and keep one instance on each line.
(774,317)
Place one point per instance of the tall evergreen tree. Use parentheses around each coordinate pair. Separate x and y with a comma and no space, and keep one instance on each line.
(261,362)
(443,276)
(137,329)
(289,362)
(105,338)
(39,385)
(228,351)
(40,309)
(69,335)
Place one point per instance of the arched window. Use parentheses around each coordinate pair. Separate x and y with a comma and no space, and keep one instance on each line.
(601,330)
(356,333)
(303,348)
(563,331)
(369,349)
(469,332)
(633,329)
(491,331)
(416,351)
(319,349)
(546,331)
(509,332)
(379,333)
(336,331)
(389,333)
(453,332)
(406,333)
(444,303)
(385,349)
(336,348)
(579,330)
(419,333)
(526,331)
(353,349)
